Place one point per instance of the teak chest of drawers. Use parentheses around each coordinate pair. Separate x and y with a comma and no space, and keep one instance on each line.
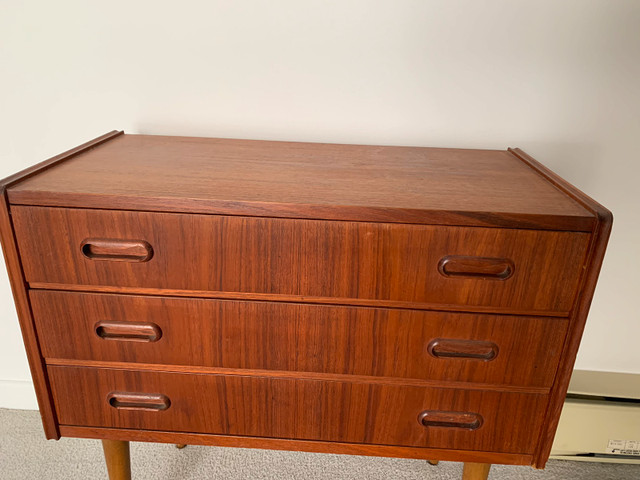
(392,301)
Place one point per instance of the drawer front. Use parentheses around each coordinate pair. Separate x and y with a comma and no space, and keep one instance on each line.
(298,409)
(487,267)
(296,337)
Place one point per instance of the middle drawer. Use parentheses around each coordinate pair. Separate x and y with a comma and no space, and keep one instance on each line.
(438,346)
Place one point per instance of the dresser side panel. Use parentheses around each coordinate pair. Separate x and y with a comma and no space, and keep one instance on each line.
(27,326)
(580,310)
(578,318)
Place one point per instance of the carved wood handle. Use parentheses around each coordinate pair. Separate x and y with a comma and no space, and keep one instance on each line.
(117,250)
(128,331)
(150,402)
(476,267)
(456,348)
(436,418)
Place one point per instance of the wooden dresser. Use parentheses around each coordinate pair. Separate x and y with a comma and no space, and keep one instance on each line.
(391,301)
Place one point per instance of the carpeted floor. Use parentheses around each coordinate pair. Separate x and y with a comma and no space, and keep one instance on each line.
(26,455)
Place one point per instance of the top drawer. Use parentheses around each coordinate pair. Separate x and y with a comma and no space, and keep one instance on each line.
(525,270)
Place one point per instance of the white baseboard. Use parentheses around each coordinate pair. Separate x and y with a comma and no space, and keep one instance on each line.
(602,407)
(18,394)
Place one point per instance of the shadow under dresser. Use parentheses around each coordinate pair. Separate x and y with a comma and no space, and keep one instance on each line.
(392,301)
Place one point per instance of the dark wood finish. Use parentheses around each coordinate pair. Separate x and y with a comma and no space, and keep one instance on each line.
(595,257)
(128,331)
(475,471)
(476,267)
(306,180)
(116,250)
(19,286)
(40,168)
(350,412)
(172,292)
(325,281)
(463,420)
(150,402)
(190,369)
(467,349)
(118,459)
(299,337)
(23,309)
(303,257)
(423,453)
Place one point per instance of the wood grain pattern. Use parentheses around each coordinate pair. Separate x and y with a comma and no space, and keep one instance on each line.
(268,297)
(148,402)
(595,257)
(118,459)
(284,408)
(116,250)
(23,309)
(475,471)
(325,377)
(19,286)
(305,180)
(56,160)
(458,420)
(299,337)
(303,257)
(297,445)
(471,349)
(126,331)
(296,351)
(476,267)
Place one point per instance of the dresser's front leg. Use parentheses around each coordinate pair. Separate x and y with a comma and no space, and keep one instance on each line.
(116,454)
(475,471)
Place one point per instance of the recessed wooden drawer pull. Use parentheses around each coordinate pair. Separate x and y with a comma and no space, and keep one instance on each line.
(154,402)
(117,250)
(128,331)
(476,267)
(471,349)
(436,418)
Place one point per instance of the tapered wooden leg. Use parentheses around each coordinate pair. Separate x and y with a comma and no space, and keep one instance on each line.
(181,445)
(433,462)
(475,471)
(116,454)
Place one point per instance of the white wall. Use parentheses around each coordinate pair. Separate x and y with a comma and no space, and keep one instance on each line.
(559,79)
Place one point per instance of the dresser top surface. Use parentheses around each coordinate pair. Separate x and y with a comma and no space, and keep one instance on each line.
(305,180)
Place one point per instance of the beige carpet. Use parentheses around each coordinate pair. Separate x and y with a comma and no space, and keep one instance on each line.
(26,455)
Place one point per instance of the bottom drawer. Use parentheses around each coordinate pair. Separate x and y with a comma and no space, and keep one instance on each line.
(336,411)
